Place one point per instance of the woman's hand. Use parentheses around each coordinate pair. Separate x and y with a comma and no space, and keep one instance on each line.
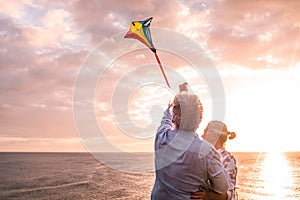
(205,195)
(199,195)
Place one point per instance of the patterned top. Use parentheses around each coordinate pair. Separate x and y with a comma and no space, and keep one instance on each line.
(229,164)
(183,162)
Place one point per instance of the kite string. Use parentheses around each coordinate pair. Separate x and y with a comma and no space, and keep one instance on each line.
(162,70)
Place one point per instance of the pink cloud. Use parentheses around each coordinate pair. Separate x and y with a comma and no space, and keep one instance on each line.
(44,43)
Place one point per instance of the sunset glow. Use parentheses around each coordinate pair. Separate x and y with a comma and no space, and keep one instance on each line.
(254,46)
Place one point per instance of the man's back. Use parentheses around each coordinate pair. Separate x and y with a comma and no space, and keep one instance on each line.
(183,163)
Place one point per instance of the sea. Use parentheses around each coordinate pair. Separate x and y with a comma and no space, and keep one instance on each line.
(261,175)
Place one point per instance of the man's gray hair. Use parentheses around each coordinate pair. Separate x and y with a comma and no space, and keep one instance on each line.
(187,111)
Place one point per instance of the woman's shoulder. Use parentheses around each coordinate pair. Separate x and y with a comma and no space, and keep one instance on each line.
(226,155)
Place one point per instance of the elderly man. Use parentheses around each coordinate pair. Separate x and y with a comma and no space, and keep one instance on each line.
(183,162)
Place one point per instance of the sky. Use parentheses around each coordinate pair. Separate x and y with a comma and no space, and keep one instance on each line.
(254,46)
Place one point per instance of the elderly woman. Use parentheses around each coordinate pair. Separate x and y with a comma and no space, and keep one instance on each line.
(182,160)
(216,133)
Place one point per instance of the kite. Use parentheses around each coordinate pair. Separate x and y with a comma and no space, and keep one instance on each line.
(140,30)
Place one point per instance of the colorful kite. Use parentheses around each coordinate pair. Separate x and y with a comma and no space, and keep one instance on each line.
(140,30)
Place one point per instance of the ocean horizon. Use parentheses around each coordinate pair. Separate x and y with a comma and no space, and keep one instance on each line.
(112,175)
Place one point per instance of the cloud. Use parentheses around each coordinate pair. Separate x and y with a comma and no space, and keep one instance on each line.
(36,86)
(105,18)
(13,8)
(27,144)
(243,32)
(44,43)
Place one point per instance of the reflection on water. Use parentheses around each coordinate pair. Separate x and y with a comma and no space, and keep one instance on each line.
(266,176)
(261,176)
(276,177)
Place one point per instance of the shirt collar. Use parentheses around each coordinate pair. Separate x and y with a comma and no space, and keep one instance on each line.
(221,150)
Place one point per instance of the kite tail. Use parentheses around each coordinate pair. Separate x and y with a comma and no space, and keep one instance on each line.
(162,70)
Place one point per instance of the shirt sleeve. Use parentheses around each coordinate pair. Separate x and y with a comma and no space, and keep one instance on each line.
(216,173)
(229,195)
(164,132)
(166,122)
(231,169)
